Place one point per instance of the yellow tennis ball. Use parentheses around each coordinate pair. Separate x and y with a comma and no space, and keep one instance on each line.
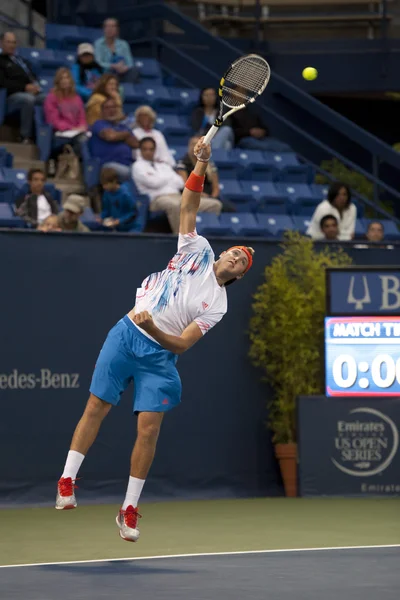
(310,73)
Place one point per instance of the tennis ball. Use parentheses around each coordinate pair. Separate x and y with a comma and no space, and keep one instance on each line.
(310,73)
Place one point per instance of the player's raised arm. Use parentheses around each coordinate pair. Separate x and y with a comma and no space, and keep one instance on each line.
(194,187)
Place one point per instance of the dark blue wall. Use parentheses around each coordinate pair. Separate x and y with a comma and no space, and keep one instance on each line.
(59,296)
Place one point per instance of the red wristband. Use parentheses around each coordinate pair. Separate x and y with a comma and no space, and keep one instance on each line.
(195,183)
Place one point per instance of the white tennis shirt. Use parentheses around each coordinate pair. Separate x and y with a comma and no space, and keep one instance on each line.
(186,291)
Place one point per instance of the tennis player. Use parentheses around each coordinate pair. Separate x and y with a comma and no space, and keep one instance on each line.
(174,309)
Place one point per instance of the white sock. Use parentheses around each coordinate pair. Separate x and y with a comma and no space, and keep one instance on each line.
(133,492)
(72,466)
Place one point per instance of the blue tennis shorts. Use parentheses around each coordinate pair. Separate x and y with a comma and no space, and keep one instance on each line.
(127,354)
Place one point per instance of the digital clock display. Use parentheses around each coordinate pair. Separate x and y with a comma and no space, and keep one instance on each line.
(362,356)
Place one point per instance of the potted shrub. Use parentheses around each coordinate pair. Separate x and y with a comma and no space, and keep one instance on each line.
(286,334)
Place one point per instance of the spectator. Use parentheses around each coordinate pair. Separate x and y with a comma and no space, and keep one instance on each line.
(114,54)
(23,90)
(106,87)
(119,208)
(203,116)
(145,117)
(375,232)
(112,142)
(64,110)
(186,165)
(50,224)
(252,133)
(340,206)
(329,227)
(37,204)
(86,71)
(69,218)
(163,185)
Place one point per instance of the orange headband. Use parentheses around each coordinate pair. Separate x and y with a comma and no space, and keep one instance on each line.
(247,253)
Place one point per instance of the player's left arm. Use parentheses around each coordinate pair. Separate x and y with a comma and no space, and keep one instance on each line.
(173,343)
(190,198)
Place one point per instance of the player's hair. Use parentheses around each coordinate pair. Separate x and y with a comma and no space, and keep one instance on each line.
(375,223)
(326,218)
(108,175)
(32,172)
(335,189)
(147,139)
(252,252)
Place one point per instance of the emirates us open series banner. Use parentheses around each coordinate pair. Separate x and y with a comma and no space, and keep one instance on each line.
(349,446)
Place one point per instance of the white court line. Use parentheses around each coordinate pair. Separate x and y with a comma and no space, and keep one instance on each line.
(163,556)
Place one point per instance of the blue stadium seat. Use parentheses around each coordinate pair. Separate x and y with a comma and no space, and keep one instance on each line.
(301,224)
(156,95)
(7,193)
(360,207)
(230,189)
(149,68)
(209,224)
(246,158)
(258,172)
(88,218)
(142,204)
(67,37)
(91,166)
(226,166)
(272,206)
(390,227)
(295,190)
(44,134)
(361,228)
(15,176)
(243,224)
(285,159)
(320,191)
(46,60)
(178,151)
(187,96)
(262,191)
(275,225)
(6,159)
(305,207)
(296,174)
(164,121)
(46,83)
(176,137)
(7,218)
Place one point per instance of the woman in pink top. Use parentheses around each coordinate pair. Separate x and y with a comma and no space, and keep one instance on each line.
(64,109)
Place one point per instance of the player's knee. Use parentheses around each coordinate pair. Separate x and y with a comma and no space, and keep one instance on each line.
(97,408)
(148,432)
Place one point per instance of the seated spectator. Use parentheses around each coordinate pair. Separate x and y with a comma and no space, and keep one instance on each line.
(113,54)
(64,110)
(112,142)
(106,87)
(86,71)
(329,227)
(375,232)
(69,218)
(50,224)
(18,78)
(340,206)
(119,207)
(186,165)
(35,206)
(145,117)
(164,186)
(203,116)
(252,133)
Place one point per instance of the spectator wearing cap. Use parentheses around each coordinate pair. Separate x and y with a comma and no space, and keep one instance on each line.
(69,218)
(38,204)
(18,78)
(119,207)
(112,142)
(106,87)
(114,54)
(86,71)
(145,118)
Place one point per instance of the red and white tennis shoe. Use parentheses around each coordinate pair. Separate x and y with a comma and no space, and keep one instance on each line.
(65,499)
(127,523)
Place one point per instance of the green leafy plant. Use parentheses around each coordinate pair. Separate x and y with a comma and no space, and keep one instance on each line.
(286,329)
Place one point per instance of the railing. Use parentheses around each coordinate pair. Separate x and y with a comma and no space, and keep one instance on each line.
(14,24)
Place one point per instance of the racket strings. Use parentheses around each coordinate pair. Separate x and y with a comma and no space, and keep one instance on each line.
(246,79)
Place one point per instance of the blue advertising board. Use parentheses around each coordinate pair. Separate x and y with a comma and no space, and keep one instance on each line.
(349,446)
(362,356)
(363,290)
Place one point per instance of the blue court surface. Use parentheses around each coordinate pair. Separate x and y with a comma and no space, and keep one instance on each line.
(358,573)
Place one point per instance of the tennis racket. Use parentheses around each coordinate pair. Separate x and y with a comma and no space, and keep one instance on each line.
(243,82)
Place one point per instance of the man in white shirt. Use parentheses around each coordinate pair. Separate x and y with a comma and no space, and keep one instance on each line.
(163,185)
(36,205)
(174,308)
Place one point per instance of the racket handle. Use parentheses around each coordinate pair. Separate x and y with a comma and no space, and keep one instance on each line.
(210,134)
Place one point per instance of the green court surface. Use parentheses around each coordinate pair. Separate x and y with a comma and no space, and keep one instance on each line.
(34,535)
